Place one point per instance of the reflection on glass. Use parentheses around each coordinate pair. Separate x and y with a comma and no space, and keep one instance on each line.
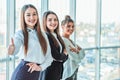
(86,23)
(110,64)
(110,34)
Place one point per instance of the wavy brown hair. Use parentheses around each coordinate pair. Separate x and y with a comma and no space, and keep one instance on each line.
(45,15)
(42,40)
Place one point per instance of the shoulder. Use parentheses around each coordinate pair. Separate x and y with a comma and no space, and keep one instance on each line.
(44,34)
(64,39)
(19,33)
(48,35)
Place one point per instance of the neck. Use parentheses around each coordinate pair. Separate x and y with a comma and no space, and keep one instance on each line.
(66,36)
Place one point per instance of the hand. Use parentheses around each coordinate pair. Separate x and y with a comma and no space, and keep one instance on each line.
(33,67)
(65,52)
(76,50)
(11,47)
(78,47)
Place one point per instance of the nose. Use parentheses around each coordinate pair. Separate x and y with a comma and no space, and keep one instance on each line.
(53,21)
(31,17)
(71,27)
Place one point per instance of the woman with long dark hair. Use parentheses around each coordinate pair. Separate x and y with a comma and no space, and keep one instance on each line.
(58,51)
(32,45)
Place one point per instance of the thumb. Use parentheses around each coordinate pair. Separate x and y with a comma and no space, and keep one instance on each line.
(12,41)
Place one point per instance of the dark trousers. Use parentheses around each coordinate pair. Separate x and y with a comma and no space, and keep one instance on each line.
(54,72)
(21,72)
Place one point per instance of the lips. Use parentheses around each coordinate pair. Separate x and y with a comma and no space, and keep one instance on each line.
(32,21)
(70,31)
(53,25)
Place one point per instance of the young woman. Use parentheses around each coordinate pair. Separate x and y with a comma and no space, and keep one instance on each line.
(75,53)
(58,51)
(32,45)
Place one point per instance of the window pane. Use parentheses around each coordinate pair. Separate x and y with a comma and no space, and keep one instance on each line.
(87,66)
(86,23)
(19,5)
(110,67)
(2,71)
(2,39)
(60,7)
(110,34)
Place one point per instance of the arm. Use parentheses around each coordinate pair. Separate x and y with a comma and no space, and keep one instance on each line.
(75,54)
(54,51)
(34,67)
(43,66)
(47,60)
(48,56)
(16,43)
(11,47)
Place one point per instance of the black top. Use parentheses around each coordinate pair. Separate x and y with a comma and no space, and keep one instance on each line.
(56,51)
(54,72)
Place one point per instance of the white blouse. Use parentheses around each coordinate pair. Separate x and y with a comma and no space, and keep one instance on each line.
(73,60)
(34,53)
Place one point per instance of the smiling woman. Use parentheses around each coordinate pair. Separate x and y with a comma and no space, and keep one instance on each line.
(31,17)
(97,31)
(20,3)
(32,45)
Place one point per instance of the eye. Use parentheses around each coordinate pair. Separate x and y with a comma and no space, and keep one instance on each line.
(28,15)
(55,20)
(68,26)
(34,14)
(72,26)
(49,19)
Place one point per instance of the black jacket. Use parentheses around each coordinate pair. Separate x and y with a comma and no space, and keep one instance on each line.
(54,72)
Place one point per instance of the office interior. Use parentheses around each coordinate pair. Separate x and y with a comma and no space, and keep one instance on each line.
(97,31)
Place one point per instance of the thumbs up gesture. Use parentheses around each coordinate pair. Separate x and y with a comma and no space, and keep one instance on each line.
(11,47)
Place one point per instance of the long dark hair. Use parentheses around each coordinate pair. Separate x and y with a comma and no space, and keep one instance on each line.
(42,40)
(45,15)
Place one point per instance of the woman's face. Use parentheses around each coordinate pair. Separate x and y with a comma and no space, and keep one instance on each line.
(31,17)
(52,22)
(68,28)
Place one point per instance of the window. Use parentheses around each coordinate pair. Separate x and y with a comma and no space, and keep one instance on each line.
(60,7)
(86,36)
(86,23)
(110,64)
(3,39)
(110,36)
